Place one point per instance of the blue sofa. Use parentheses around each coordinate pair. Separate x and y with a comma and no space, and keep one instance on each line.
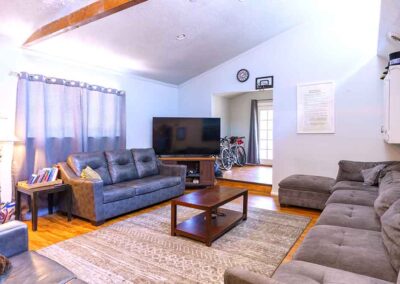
(130,180)
(29,266)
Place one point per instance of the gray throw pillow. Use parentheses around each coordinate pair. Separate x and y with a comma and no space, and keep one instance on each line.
(371,175)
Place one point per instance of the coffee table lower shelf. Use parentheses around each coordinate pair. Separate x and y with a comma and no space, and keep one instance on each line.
(196,227)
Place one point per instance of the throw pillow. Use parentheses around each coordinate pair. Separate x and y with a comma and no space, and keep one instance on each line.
(7,211)
(5,264)
(89,173)
(371,175)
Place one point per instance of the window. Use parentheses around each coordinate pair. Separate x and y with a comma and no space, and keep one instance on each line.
(265,130)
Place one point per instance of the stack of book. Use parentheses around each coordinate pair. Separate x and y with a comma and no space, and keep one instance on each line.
(44,175)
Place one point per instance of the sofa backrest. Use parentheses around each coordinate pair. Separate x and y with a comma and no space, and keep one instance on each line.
(146,162)
(95,160)
(351,170)
(121,165)
(117,166)
(391,233)
(389,192)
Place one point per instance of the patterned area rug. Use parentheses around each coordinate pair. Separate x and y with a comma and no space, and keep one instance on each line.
(141,250)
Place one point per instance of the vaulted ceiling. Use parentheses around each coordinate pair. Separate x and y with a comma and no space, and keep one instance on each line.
(143,39)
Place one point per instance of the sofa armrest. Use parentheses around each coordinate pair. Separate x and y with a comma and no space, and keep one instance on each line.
(238,275)
(13,238)
(87,194)
(172,170)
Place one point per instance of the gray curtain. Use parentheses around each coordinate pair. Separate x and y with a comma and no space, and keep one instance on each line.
(57,117)
(253,156)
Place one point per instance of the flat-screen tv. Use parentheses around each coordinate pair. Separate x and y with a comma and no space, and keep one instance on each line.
(186,136)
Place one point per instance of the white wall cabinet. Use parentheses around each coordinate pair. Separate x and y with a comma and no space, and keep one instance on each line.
(391,104)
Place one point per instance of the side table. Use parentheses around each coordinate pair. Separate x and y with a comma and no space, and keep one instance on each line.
(34,193)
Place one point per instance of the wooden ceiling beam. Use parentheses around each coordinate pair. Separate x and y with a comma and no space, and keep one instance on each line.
(83,16)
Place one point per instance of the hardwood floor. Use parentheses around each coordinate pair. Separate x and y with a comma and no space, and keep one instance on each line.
(253,174)
(55,228)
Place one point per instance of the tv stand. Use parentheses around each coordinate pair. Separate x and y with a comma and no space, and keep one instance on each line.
(200,170)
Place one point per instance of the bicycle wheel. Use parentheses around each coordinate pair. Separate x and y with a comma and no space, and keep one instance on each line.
(240,156)
(226,159)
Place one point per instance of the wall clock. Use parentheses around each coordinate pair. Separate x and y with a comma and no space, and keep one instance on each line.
(242,75)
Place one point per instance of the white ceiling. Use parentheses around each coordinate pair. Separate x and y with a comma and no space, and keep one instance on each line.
(389,22)
(142,39)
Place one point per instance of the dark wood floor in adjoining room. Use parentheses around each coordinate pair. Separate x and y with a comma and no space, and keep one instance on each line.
(55,228)
(250,173)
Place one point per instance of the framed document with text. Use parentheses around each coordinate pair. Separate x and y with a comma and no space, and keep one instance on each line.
(316,107)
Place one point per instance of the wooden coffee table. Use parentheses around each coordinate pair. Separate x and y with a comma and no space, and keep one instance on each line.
(204,227)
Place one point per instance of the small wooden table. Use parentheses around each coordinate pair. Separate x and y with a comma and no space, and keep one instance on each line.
(33,194)
(204,227)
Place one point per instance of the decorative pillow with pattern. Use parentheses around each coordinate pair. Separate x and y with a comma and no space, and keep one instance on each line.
(89,173)
(7,211)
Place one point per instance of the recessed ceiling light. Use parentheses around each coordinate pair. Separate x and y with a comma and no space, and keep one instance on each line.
(181,37)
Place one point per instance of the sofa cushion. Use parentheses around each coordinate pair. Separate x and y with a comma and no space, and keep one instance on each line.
(300,272)
(154,183)
(351,170)
(308,183)
(389,192)
(356,197)
(354,250)
(349,215)
(391,233)
(31,267)
(95,160)
(119,191)
(146,162)
(121,165)
(389,178)
(393,166)
(355,185)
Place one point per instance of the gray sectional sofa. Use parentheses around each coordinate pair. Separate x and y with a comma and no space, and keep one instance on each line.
(130,180)
(29,266)
(355,240)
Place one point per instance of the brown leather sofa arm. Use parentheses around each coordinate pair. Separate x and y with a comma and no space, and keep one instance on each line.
(238,275)
(87,195)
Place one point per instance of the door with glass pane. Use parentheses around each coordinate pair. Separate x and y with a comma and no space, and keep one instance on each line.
(265,124)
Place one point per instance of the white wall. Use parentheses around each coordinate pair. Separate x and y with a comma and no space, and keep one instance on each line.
(221,109)
(340,45)
(144,98)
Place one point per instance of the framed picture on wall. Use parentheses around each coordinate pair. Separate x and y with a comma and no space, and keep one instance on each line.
(266,82)
(316,107)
